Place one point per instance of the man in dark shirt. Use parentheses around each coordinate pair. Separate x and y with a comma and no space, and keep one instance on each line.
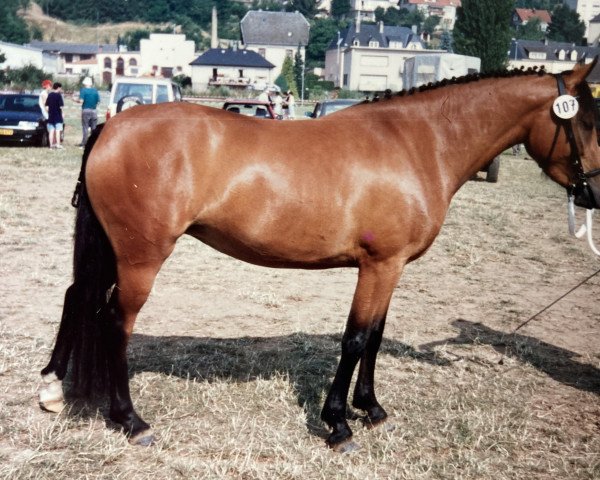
(55,104)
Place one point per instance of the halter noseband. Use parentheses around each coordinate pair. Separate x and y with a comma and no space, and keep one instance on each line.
(580,185)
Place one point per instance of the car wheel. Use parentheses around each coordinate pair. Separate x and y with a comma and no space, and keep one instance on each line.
(128,102)
(44,140)
(492,171)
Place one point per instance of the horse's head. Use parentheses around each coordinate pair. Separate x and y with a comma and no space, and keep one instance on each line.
(563,138)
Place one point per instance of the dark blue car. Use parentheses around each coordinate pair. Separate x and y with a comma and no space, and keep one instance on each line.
(21,120)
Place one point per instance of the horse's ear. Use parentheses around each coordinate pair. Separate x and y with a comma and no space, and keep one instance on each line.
(581,71)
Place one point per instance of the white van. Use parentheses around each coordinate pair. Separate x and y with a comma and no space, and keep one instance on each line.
(129,91)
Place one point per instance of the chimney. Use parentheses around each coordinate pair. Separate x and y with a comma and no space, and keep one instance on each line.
(381,26)
(214,39)
(358,21)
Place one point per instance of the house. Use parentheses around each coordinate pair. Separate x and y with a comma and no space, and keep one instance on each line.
(230,67)
(371,57)
(593,37)
(521,16)
(554,57)
(19,56)
(77,59)
(167,55)
(275,35)
(586,9)
(445,9)
(366,8)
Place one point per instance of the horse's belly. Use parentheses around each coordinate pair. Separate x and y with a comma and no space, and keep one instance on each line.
(279,249)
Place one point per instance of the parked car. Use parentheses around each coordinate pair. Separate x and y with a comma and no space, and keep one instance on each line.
(251,107)
(21,120)
(128,92)
(327,107)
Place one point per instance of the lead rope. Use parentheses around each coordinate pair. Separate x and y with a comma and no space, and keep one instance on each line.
(586,228)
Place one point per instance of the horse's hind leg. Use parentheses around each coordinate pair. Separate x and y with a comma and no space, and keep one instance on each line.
(131,292)
(361,340)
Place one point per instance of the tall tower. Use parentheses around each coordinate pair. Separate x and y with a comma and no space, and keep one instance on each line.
(214,38)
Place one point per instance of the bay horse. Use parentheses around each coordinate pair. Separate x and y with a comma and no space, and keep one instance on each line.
(367,187)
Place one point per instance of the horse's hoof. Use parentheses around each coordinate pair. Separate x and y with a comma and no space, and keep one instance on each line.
(51,395)
(143,439)
(384,424)
(349,446)
(53,406)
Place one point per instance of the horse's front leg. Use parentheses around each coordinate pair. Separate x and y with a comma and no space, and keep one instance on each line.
(364,391)
(376,281)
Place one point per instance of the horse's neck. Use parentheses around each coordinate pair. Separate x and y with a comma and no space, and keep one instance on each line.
(465,126)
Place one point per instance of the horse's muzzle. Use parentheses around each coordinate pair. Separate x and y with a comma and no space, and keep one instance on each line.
(587,194)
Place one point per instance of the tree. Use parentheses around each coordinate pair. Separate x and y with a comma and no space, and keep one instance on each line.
(308,8)
(430,23)
(340,8)
(566,26)
(532,30)
(298,72)
(446,41)
(322,32)
(482,30)
(287,72)
(13,28)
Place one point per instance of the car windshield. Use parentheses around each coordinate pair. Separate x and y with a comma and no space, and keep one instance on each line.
(140,90)
(328,108)
(20,103)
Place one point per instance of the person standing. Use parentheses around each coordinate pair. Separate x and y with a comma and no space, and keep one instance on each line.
(291,105)
(55,104)
(278,105)
(89,98)
(46,87)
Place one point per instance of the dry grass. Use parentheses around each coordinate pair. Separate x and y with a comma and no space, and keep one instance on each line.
(230,363)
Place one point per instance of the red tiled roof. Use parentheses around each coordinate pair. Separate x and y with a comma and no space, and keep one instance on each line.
(525,14)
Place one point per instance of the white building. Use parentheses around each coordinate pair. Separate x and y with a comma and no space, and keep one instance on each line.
(166,55)
(275,35)
(19,56)
(371,57)
(587,10)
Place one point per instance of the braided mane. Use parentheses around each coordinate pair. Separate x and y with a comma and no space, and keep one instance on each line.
(473,77)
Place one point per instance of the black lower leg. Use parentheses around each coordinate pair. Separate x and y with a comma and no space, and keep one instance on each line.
(61,353)
(121,406)
(334,410)
(364,392)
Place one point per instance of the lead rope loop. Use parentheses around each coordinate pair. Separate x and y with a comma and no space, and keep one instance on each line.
(583,229)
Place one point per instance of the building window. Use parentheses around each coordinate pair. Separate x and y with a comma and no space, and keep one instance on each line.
(373,44)
(289,53)
(107,62)
(356,42)
(574,56)
(537,55)
(561,54)
(132,62)
(69,58)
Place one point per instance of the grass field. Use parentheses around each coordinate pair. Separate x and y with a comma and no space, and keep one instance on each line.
(230,363)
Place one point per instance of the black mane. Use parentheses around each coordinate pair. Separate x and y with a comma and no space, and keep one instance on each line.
(473,77)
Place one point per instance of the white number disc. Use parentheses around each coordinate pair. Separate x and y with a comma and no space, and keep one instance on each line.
(565,107)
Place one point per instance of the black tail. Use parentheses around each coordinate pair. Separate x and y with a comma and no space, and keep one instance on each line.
(81,330)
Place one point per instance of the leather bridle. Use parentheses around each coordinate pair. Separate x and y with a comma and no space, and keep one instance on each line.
(579,188)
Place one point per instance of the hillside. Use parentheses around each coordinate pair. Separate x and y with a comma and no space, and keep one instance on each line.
(55,30)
